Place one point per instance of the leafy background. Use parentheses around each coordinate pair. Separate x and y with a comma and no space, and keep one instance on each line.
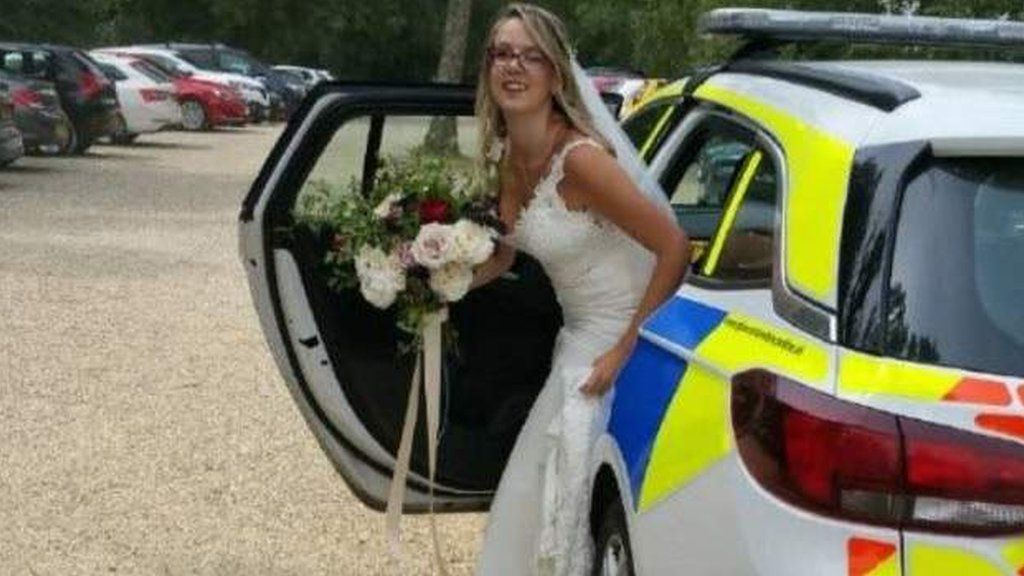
(403,39)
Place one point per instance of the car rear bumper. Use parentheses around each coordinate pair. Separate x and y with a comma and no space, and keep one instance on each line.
(96,121)
(43,128)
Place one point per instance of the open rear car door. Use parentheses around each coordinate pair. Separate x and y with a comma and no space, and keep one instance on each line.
(340,356)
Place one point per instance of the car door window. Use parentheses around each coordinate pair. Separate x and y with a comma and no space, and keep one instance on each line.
(648,128)
(640,125)
(701,174)
(743,247)
(343,158)
(26,63)
(14,62)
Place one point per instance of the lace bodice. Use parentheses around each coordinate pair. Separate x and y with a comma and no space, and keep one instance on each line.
(598,272)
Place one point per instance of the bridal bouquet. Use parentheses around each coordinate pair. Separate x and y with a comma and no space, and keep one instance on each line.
(413,241)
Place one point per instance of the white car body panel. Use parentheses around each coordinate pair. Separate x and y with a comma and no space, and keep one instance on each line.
(141,116)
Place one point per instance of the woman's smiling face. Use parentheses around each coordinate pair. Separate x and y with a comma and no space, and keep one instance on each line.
(521,77)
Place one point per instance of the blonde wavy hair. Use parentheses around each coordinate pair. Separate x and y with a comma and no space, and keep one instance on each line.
(550,34)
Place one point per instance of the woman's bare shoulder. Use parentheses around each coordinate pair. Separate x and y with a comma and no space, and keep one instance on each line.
(584,153)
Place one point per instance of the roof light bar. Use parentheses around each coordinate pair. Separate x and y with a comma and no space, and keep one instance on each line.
(800,26)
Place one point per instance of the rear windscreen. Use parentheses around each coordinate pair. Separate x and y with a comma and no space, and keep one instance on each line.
(166,64)
(198,57)
(956,294)
(150,71)
(111,71)
(86,63)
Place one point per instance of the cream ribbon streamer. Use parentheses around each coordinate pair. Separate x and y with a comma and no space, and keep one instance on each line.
(429,359)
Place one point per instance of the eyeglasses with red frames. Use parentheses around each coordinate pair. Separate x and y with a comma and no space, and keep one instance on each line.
(530,59)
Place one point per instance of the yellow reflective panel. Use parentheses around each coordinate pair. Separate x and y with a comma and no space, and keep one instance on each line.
(653,136)
(865,374)
(941,561)
(818,168)
(738,193)
(887,568)
(742,342)
(1014,554)
(694,434)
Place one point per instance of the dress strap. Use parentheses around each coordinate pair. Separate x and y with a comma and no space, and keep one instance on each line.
(568,147)
(557,170)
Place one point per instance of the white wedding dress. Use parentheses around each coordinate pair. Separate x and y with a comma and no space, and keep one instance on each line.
(539,519)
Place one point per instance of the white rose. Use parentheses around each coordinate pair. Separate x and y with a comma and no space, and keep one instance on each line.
(433,245)
(381,276)
(473,243)
(384,208)
(451,281)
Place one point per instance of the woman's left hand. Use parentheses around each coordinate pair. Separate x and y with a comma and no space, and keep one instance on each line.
(606,369)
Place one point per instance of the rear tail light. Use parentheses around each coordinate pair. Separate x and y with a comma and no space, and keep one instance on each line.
(847,461)
(154,95)
(91,85)
(27,98)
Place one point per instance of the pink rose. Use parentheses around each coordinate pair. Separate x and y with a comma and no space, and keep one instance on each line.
(433,246)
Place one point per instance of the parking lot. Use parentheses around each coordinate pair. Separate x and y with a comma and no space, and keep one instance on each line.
(145,428)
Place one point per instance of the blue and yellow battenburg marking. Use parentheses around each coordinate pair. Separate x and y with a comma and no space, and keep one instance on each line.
(670,417)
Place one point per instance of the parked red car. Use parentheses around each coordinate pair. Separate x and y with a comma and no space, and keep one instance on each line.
(204,104)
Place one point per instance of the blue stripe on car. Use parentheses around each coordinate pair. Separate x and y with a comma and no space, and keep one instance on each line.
(642,393)
(650,378)
(685,322)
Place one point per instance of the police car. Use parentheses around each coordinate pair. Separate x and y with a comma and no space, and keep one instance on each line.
(838,386)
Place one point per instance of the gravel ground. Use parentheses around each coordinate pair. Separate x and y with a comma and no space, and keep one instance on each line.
(145,428)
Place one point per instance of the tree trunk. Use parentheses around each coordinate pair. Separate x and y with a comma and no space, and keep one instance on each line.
(442,137)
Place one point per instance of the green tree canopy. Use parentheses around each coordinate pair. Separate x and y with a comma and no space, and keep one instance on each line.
(401,40)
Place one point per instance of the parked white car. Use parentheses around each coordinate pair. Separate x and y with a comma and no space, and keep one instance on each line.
(252,91)
(148,103)
(311,76)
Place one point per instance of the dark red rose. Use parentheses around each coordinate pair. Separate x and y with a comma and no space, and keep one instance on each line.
(433,211)
(339,243)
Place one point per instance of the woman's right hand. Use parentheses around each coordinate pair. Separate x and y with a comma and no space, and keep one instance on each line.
(500,262)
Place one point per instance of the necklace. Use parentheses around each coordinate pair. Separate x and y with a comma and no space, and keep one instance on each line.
(532,181)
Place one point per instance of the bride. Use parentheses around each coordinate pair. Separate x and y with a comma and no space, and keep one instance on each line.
(612,255)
